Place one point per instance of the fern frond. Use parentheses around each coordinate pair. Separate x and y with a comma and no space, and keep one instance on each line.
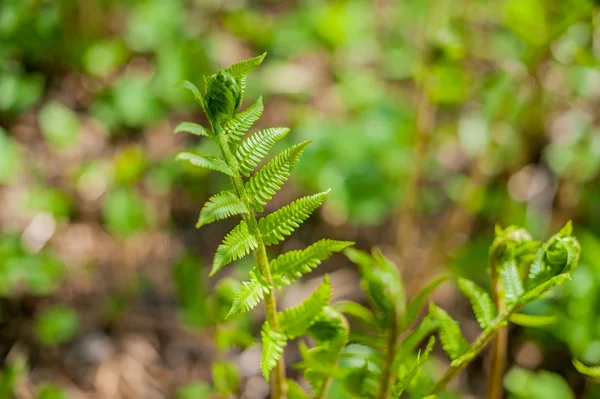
(237,244)
(510,280)
(213,163)
(330,332)
(414,306)
(286,268)
(590,371)
(221,206)
(407,378)
(186,84)
(251,151)
(279,224)
(453,342)
(193,128)
(483,307)
(381,282)
(295,321)
(408,345)
(249,295)
(269,179)
(538,291)
(237,127)
(243,68)
(273,343)
(359,312)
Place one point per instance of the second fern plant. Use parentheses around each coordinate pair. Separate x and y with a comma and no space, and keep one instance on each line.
(249,193)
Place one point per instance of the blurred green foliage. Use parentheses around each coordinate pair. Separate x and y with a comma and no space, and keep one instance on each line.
(489,106)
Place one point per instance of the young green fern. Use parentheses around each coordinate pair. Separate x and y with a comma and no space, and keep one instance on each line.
(251,191)
(522,271)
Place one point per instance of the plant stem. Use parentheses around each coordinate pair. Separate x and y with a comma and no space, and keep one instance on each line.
(476,347)
(279,384)
(499,345)
(388,361)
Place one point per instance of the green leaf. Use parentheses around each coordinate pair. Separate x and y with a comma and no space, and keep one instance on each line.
(193,128)
(249,295)
(243,68)
(528,320)
(186,84)
(237,244)
(226,378)
(286,268)
(381,282)
(357,311)
(295,391)
(266,182)
(251,152)
(453,342)
(538,291)
(51,392)
(213,163)
(281,223)
(221,206)
(414,306)
(56,325)
(295,321)
(525,384)
(273,343)
(125,212)
(510,280)
(527,18)
(195,390)
(237,127)
(407,378)
(59,124)
(590,371)
(427,326)
(483,307)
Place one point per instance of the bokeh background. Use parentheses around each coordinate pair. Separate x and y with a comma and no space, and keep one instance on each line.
(432,121)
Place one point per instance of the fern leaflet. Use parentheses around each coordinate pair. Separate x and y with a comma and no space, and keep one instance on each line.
(243,68)
(590,371)
(511,281)
(237,244)
(221,206)
(186,84)
(193,128)
(297,320)
(483,307)
(286,268)
(273,343)
(405,381)
(267,181)
(249,295)
(251,151)
(237,127)
(279,224)
(213,163)
(453,342)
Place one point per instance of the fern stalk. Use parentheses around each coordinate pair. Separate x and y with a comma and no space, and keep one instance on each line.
(279,384)
(499,345)
(388,362)
(475,348)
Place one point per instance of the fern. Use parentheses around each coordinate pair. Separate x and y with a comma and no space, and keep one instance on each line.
(295,321)
(279,224)
(590,371)
(250,153)
(237,127)
(194,90)
(453,342)
(213,163)
(193,128)
(249,295)
(484,309)
(237,244)
(266,182)
(415,368)
(221,206)
(286,268)
(510,281)
(273,343)
(221,102)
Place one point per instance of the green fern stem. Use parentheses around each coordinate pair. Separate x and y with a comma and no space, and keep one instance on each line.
(499,345)
(475,348)
(279,385)
(388,362)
